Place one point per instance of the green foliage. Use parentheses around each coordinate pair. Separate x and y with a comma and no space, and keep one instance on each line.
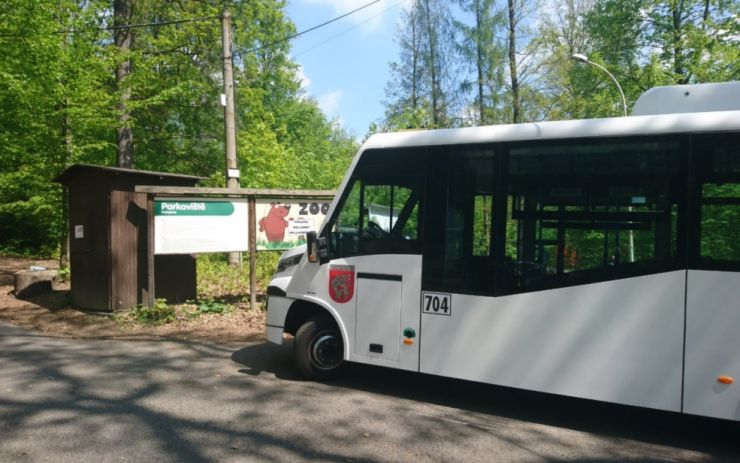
(421,90)
(55,105)
(64,275)
(216,279)
(58,104)
(720,236)
(212,306)
(644,43)
(160,314)
(280,245)
(58,95)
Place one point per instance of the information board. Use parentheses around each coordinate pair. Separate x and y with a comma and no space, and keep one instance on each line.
(189,226)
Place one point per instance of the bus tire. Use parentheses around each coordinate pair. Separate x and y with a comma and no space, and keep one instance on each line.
(319,349)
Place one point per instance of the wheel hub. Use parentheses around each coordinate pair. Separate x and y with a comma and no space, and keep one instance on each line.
(326,351)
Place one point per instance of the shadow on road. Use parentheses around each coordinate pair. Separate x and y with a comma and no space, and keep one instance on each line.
(718,438)
(67,400)
(101,400)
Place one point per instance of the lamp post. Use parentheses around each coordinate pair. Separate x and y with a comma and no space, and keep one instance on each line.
(584,59)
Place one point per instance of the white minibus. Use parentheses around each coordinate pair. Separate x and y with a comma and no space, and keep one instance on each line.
(589,258)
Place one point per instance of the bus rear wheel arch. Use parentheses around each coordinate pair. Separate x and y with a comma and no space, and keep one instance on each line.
(319,349)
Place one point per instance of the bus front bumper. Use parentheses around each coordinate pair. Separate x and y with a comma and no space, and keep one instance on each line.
(277,310)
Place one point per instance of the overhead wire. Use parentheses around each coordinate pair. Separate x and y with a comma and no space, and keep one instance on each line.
(124,26)
(204,18)
(302,52)
(298,34)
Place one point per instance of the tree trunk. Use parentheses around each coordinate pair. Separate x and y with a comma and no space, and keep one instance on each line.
(432,66)
(479,62)
(67,152)
(678,63)
(123,39)
(515,104)
(414,59)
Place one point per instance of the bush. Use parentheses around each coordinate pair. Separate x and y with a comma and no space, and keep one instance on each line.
(160,314)
(211,306)
(216,279)
(64,275)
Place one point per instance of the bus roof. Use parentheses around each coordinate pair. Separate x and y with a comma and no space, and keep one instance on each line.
(717,121)
(694,98)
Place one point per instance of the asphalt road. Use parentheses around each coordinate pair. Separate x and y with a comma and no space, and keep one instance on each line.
(99,401)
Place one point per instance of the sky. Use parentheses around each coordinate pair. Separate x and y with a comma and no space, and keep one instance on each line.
(345,65)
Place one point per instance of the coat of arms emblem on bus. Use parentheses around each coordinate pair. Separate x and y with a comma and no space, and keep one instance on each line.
(341,283)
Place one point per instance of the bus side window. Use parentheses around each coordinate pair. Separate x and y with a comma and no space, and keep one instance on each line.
(379,215)
(482,218)
(346,230)
(719,227)
(583,212)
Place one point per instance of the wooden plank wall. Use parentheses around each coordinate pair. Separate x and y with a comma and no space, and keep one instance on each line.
(128,240)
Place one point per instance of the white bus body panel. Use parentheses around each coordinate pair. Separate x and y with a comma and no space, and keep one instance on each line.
(378,318)
(713,344)
(383,307)
(718,96)
(618,341)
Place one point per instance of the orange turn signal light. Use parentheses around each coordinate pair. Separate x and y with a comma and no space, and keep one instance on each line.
(725,380)
(408,341)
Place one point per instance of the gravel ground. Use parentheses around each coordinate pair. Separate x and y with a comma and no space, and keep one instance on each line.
(53,315)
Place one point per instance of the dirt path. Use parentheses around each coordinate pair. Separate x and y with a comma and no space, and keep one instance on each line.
(53,314)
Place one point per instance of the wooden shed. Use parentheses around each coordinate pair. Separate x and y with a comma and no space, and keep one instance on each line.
(108,239)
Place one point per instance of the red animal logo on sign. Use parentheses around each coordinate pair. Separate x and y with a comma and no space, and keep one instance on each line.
(274,223)
(341,283)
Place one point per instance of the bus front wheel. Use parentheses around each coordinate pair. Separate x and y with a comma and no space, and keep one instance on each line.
(319,349)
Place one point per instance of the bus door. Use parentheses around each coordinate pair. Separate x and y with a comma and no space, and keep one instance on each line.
(376,236)
(712,371)
(556,268)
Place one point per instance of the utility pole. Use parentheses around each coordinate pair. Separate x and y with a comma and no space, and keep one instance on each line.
(232,173)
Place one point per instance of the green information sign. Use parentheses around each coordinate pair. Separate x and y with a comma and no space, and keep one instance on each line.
(195,225)
(210,208)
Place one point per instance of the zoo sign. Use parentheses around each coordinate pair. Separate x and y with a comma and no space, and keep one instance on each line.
(284,224)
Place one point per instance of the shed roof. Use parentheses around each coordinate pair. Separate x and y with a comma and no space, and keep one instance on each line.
(76,169)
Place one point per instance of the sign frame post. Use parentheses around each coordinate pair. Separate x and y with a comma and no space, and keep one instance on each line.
(252,221)
(251,194)
(150,250)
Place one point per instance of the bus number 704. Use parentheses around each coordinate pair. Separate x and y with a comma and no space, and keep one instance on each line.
(437,303)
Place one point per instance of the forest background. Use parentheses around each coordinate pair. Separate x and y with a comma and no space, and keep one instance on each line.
(136,83)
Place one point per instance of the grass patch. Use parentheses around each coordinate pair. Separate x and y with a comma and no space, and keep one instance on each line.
(222,289)
(279,245)
(211,306)
(160,314)
(217,280)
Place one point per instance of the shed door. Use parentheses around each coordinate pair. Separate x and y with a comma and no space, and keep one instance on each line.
(88,249)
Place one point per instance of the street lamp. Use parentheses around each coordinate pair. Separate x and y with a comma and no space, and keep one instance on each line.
(584,59)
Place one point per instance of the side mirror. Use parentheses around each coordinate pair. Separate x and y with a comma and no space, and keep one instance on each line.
(312,248)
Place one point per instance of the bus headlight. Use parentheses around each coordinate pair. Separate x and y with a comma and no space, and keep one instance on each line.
(287,262)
